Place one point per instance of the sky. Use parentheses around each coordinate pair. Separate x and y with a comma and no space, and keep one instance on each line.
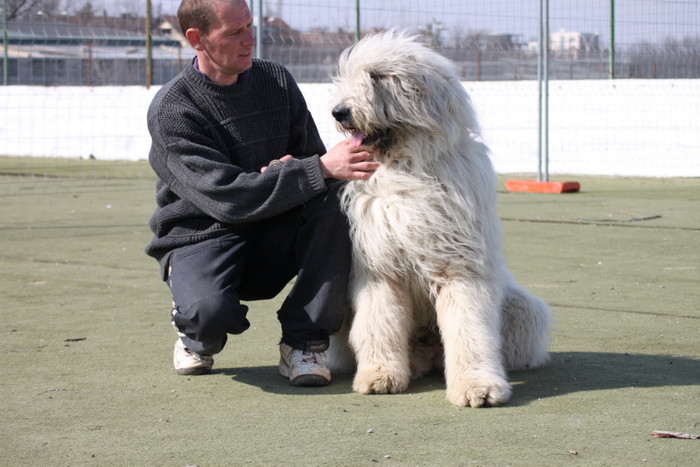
(635,20)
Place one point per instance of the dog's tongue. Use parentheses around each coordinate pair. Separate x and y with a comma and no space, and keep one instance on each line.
(357,138)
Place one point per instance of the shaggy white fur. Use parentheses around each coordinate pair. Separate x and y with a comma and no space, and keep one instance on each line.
(428,263)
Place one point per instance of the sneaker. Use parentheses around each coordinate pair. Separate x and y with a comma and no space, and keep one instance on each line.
(188,362)
(304,368)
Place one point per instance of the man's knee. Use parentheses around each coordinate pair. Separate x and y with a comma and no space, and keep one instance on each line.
(212,317)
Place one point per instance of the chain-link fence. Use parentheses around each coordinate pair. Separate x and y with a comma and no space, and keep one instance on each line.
(490,40)
(77,75)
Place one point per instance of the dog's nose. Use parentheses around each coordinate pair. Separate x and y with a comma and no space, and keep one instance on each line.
(341,113)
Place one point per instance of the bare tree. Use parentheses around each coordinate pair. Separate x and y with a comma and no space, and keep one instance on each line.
(19,8)
(134,8)
(432,33)
(85,13)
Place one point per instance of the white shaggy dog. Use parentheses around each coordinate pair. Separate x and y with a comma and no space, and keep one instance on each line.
(428,263)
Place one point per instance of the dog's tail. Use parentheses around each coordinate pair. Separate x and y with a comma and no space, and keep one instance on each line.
(339,356)
(526,322)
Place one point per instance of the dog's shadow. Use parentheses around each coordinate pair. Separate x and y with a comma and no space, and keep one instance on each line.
(574,372)
(566,373)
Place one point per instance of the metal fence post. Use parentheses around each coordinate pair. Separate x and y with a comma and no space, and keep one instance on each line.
(357,21)
(611,54)
(543,94)
(4,42)
(149,47)
(259,32)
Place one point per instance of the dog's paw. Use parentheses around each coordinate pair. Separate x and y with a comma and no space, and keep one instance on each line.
(378,380)
(478,391)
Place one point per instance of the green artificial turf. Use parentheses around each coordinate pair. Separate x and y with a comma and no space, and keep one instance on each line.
(86,342)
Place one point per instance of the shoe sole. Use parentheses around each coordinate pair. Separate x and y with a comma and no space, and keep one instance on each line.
(193,371)
(307,381)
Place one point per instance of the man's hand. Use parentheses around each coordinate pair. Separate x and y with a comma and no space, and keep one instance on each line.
(345,162)
(276,162)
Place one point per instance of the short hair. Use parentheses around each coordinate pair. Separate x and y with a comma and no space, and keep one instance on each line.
(197,14)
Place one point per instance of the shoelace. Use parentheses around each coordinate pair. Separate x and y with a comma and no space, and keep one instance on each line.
(310,357)
(198,357)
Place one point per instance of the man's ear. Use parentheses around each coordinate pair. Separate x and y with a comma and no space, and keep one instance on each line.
(194,37)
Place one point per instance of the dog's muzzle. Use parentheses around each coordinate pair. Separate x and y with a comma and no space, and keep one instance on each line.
(343,115)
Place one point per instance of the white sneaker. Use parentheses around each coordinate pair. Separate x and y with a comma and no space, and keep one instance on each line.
(304,368)
(188,362)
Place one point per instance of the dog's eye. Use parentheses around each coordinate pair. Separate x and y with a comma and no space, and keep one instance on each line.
(376,76)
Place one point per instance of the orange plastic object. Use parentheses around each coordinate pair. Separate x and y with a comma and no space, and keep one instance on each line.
(534,186)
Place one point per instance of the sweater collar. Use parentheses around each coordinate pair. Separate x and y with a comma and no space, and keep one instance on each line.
(195,65)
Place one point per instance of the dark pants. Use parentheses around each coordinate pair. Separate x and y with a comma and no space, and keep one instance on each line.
(208,280)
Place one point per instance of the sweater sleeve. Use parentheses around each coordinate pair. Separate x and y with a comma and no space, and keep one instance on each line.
(184,156)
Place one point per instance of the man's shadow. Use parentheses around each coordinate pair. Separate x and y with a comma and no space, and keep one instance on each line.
(566,373)
(269,380)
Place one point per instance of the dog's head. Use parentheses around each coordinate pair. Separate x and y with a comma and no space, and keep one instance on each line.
(391,87)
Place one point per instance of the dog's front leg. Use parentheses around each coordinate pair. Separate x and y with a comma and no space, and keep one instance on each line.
(379,336)
(469,322)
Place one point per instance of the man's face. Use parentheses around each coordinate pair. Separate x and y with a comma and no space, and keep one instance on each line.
(226,50)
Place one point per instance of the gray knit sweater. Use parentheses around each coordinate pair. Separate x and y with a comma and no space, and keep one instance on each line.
(208,145)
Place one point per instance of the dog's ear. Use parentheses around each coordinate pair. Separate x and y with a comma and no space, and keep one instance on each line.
(444,100)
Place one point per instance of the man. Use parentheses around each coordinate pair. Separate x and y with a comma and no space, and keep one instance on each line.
(247,198)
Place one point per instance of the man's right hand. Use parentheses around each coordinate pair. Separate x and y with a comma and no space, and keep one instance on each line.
(345,162)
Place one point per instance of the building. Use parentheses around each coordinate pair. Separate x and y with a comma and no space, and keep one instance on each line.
(574,45)
(52,54)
